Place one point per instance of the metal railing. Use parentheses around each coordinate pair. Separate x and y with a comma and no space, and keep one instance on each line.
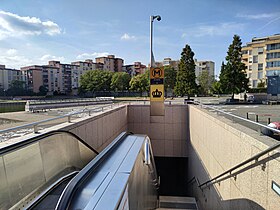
(237,117)
(68,116)
(230,171)
(254,158)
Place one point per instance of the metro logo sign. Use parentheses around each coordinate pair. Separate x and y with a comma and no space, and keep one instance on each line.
(156,76)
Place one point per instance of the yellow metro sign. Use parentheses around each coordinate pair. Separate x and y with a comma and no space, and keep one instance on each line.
(157,73)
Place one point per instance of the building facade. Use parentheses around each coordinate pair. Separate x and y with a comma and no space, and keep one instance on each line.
(37,76)
(110,63)
(170,62)
(8,75)
(201,66)
(81,67)
(134,69)
(262,58)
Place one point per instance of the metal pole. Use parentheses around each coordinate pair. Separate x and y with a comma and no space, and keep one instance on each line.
(151,40)
(257,118)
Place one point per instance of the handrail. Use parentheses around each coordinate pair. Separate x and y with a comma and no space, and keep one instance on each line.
(255,157)
(71,188)
(238,117)
(45,193)
(35,124)
(26,142)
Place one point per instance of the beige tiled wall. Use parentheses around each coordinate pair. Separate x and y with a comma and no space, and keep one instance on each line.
(216,145)
(168,133)
(99,131)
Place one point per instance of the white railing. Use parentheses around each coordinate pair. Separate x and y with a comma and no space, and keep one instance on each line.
(233,117)
(35,125)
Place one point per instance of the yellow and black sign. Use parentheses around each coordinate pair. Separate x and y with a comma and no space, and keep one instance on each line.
(157,93)
(156,75)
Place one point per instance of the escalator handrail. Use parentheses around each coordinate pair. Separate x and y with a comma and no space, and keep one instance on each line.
(27,142)
(77,181)
(40,197)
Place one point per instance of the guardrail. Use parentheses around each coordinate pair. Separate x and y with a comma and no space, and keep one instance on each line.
(68,116)
(237,117)
(230,171)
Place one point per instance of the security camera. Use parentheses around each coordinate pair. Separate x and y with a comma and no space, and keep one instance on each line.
(158,18)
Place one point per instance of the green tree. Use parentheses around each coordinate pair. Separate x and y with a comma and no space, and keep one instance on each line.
(169,77)
(140,82)
(216,87)
(261,84)
(205,81)
(233,77)
(16,88)
(43,90)
(185,83)
(120,81)
(96,80)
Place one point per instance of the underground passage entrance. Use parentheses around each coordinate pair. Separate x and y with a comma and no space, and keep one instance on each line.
(173,172)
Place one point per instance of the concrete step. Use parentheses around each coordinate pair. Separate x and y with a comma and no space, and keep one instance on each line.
(172,202)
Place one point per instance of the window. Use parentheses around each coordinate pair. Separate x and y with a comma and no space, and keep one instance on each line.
(250,60)
(273,46)
(250,52)
(255,83)
(273,64)
(260,50)
(272,55)
(250,68)
(260,66)
(255,59)
(260,75)
(273,73)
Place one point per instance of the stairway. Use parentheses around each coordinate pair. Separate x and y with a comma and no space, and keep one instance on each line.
(170,202)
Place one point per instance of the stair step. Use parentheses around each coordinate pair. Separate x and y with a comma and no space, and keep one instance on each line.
(172,202)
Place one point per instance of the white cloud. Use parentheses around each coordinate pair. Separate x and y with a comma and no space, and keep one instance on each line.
(184,35)
(127,37)
(11,59)
(258,16)
(11,51)
(221,29)
(48,57)
(13,25)
(91,55)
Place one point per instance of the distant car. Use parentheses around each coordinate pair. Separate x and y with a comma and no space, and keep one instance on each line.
(275,125)
(251,99)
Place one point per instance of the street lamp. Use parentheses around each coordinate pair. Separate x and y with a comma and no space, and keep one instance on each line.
(158,18)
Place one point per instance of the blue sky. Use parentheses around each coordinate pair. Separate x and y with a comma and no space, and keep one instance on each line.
(35,31)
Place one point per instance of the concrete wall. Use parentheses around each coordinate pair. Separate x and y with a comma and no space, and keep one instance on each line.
(99,131)
(216,144)
(168,133)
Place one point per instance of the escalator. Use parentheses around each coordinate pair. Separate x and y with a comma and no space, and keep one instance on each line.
(59,171)
(29,169)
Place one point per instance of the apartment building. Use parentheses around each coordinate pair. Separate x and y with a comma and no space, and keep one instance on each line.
(8,75)
(201,66)
(170,62)
(262,58)
(110,63)
(80,68)
(135,69)
(65,76)
(37,76)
